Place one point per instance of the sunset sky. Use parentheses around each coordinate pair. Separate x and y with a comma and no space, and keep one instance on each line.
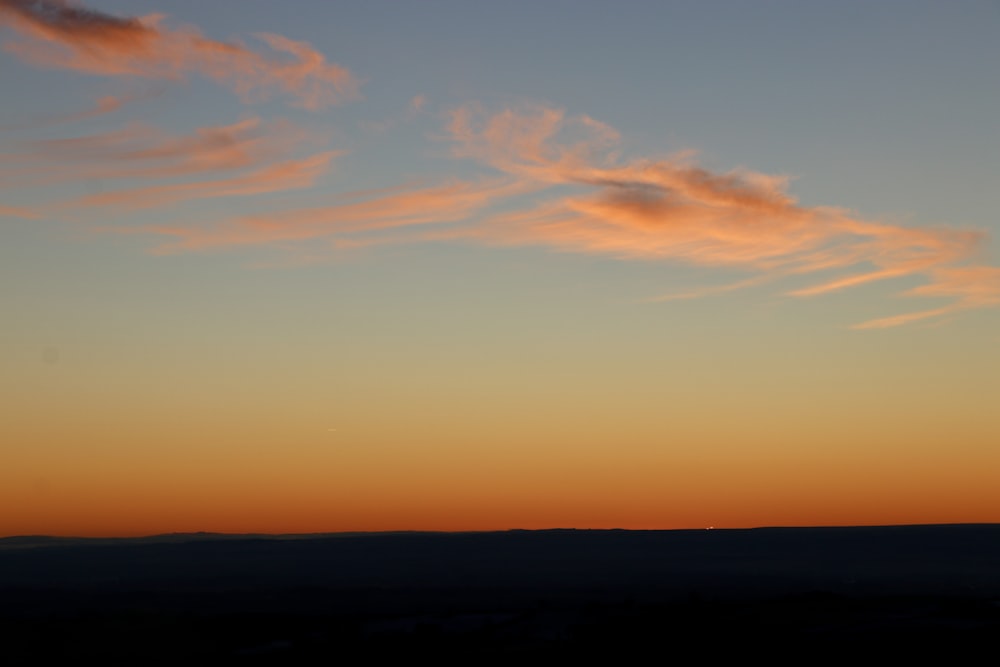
(312,266)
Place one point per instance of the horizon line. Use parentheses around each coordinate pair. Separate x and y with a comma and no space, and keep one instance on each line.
(359,533)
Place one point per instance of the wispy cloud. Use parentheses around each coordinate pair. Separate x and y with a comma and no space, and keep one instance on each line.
(107,104)
(279,177)
(968,286)
(418,103)
(139,150)
(672,209)
(586,196)
(138,166)
(414,108)
(352,223)
(56,34)
(593,201)
(17,212)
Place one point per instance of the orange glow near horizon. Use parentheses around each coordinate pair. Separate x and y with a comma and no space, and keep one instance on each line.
(274,271)
(461,489)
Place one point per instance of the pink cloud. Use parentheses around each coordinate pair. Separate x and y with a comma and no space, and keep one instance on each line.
(418,103)
(969,287)
(282,176)
(252,156)
(143,151)
(974,285)
(348,224)
(105,105)
(672,209)
(668,209)
(17,212)
(58,35)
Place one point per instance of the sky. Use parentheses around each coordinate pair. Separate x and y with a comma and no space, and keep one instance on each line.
(357,266)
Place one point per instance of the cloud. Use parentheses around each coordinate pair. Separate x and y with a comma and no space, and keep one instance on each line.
(593,201)
(969,286)
(17,212)
(673,209)
(523,143)
(139,150)
(249,157)
(59,35)
(974,285)
(102,106)
(282,176)
(353,223)
(588,198)
(414,108)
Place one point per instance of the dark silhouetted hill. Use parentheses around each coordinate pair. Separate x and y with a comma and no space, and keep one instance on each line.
(550,594)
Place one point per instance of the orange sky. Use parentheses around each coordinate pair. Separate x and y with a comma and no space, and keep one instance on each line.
(265,271)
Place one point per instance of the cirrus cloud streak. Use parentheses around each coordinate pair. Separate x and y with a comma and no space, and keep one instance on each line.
(139,150)
(59,35)
(279,177)
(352,223)
(550,179)
(673,209)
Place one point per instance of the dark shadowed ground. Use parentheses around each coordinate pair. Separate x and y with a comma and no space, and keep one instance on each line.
(803,595)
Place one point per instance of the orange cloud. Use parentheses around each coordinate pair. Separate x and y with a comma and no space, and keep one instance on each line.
(285,175)
(666,209)
(672,209)
(104,105)
(142,151)
(971,286)
(59,35)
(974,285)
(350,224)
(16,212)
(256,150)
(524,143)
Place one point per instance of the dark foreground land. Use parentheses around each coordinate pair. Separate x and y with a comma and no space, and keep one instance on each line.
(794,595)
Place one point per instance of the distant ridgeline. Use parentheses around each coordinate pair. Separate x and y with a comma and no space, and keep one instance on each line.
(499,596)
(937,558)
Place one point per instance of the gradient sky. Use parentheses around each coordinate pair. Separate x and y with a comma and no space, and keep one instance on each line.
(323,266)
